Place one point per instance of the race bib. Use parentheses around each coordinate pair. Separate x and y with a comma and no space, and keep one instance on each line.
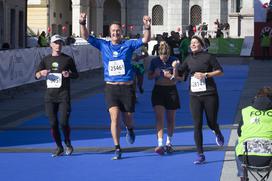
(116,67)
(198,85)
(176,51)
(54,80)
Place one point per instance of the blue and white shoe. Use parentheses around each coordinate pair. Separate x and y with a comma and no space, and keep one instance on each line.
(58,152)
(219,139)
(118,154)
(69,150)
(200,159)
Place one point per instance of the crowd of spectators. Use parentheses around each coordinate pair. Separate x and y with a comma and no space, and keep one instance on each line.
(179,42)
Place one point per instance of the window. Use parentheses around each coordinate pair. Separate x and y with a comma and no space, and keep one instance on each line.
(157,15)
(12,28)
(239,5)
(21,29)
(196,15)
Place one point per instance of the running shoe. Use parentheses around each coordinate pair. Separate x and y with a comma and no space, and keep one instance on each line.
(130,136)
(219,139)
(169,149)
(69,150)
(118,154)
(160,150)
(58,152)
(200,159)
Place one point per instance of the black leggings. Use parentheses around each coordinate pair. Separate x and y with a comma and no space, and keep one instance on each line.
(208,104)
(64,109)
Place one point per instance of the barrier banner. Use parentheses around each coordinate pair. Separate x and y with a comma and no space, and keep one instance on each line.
(247,46)
(86,57)
(18,66)
(225,46)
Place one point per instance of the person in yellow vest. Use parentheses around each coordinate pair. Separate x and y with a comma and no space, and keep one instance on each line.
(255,128)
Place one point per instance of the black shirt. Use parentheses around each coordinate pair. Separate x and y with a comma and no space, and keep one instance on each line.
(57,64)
(201,62)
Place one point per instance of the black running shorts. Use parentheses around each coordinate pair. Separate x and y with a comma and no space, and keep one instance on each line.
(122,96)
(166,96)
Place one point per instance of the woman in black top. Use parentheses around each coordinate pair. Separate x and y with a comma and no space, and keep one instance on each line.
(58,68)
(202,67)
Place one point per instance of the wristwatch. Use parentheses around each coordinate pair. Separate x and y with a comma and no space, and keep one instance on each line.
(206,75)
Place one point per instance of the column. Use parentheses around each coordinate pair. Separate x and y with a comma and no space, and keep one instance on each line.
(247,7)
(78,6)
(99,20)
(124,19)
(247,18)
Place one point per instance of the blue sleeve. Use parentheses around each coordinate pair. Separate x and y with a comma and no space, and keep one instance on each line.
(95,42)
(134,44)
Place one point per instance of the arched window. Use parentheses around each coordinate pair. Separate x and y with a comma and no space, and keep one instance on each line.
(112,12)
(196,15)
(157,15)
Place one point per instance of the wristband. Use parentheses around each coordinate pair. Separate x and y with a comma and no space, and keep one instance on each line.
(172,77)
(147,28)
(206,75)
(82,22)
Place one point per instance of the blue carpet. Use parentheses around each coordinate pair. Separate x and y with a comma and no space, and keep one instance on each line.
(137,165)
(144,165)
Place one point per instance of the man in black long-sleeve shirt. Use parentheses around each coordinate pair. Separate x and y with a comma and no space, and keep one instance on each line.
(58,68)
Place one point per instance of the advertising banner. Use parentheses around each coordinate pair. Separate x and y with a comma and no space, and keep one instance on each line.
(18,66)
(226,46)
(247,46)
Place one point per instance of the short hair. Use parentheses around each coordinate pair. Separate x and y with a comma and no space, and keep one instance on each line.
(265,91)
(200,40)
(115,23)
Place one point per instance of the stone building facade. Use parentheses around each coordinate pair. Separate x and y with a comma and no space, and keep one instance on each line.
(166,15)
(52,16)
(13,22)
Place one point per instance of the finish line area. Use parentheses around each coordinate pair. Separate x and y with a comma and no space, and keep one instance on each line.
(25,150)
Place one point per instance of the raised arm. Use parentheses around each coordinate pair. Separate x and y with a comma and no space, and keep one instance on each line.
(83,29)
(147,28)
